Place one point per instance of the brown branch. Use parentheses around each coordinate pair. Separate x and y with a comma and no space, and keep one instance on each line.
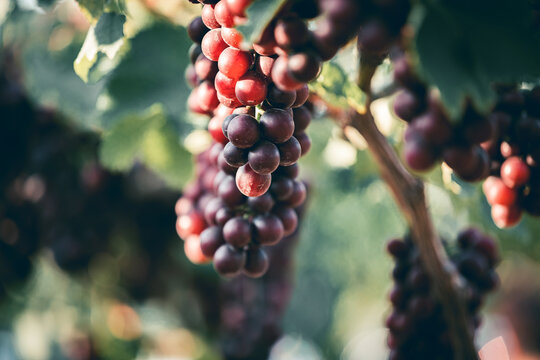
(408,191)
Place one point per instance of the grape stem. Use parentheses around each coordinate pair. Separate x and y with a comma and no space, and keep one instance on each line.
(408,191)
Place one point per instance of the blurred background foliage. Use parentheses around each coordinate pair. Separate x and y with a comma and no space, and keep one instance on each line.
(136,103)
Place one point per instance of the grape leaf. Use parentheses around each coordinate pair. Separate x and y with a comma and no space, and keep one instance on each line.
(94,8)
(50,80)
(334,86)
(259,15)
(147,137)
(464,46)
(152,72)
(122,144)
(161,153)
(102,48)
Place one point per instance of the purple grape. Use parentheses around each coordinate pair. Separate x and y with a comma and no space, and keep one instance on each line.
(268,229)
(264,158)
(289,152)
(243,131)
(229,261)
(277,125)
(237,232)
(211,240)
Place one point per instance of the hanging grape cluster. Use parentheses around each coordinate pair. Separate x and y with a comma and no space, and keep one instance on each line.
(251,311)
(432,137)
(417,324)
(217,221)
(514,184)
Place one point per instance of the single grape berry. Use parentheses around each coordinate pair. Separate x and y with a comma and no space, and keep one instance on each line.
(289,152)
(232,37)
(229,261)
(264,158)
(277,125)
(206,95)
(250,183)
(190,224)
(197,29)
(251,89)
(291,33)
(302,94)
(209,17)
(256,262)
(235,156)
(268,229)
(261,204)
(211,239)
(282,77)
(515,172)
(288,218)
(505,216)
(243,131)
(234,63)
(225,85)
(498,193)
(215,129)
(237,232)
(223,15)
(280,99)
(304,67)
(304,140)
(213,45)
(229,193)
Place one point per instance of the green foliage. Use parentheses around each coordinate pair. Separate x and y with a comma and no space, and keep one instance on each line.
(152,72)
(50,79)
(147,138)
(140,105)
(259,14)
(94,8)
(464,46)
(102,47)
(335,87)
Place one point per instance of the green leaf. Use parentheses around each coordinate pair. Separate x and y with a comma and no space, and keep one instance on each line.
(259,15)
(152,72)
(147,137)
(162,153)
(122,144)
(464,46)
(334,86)
(102,48)
(49,79)
(94,8)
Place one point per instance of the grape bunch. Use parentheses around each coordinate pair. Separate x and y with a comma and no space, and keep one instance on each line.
(251,311)
(417,325)
(217,221)
(514,184)
(431,136)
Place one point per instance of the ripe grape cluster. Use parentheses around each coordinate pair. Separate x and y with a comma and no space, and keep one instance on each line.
(417,324)
(217,221)
(251,311)
(514,184)
(431,136)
